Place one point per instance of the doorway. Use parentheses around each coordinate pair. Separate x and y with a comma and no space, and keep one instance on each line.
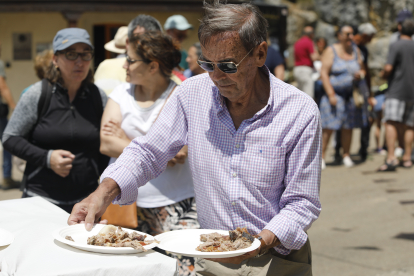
(102,34)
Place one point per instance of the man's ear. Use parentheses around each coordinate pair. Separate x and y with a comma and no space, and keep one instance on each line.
(260,54)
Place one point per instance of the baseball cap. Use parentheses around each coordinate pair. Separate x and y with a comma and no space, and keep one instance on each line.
(367,28)
(118,44)
(403,15)
(177,22)
(69,36)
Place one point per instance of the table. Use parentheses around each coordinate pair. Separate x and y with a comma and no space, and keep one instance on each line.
(35,252)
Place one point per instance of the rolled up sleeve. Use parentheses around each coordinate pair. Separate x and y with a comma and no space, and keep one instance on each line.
(300,204)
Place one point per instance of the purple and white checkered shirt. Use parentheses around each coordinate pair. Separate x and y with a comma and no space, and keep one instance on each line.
(264,175)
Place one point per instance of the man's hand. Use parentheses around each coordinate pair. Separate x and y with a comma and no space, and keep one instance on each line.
(372,101)
(179,158)
(90,209)
(270,241)
(61,162)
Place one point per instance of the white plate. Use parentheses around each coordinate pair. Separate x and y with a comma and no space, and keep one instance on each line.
(6,237)
(80,237)
(184,242)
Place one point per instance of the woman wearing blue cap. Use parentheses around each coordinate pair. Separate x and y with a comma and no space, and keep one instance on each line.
(55,126)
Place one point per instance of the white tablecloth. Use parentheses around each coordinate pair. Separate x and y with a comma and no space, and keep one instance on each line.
(35,252)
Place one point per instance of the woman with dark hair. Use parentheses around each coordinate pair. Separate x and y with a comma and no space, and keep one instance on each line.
(341,72)
(55,126)
(167,202)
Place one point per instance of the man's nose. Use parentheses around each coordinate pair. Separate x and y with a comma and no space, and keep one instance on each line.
(217,74)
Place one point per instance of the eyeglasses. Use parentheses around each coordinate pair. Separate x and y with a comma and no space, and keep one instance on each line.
(85,56)
(348,34)
(131,61)
(225,67)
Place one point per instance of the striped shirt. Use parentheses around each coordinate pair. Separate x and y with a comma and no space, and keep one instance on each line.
(264,175)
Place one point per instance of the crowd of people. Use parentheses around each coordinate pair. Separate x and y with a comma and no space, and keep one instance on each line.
(252,139)
(338,78)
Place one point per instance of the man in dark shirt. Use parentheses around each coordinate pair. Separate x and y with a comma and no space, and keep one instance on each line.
(399,103)
(274,61)
(365,33)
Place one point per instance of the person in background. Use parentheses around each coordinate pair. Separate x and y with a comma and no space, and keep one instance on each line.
(342,68)
(167,202)
(62,146)
(193,55)
(110,73)
(6,96)
(399,98)
(366,32)
(305,55)
(42,64)
(275,62)
(177,27)
(401,16)
(321,44)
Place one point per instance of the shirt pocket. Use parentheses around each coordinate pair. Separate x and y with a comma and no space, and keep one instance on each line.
(265,165)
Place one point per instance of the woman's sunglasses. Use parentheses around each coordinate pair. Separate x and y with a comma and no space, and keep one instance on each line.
(85,56)
(225,67)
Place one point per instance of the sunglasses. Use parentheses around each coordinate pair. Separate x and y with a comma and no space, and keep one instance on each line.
(131,61)
(225,67)
(85,56)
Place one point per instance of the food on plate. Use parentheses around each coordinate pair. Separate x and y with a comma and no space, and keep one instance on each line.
(215,242)
(113,236)
(69,238)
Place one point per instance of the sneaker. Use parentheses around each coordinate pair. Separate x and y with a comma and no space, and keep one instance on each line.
(9,183)
(348,162)
(323,166)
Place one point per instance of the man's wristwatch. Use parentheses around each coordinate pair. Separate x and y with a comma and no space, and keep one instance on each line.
(263,245)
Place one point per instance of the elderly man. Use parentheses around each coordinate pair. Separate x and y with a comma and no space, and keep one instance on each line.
(254,149)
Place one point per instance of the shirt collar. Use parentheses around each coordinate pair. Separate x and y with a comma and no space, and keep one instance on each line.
(220,101)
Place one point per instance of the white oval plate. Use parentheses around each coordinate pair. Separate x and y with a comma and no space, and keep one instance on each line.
(184,242)
(6,237)
(80,237)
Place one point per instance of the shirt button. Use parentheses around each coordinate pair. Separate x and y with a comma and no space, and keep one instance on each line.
(233,203)
(234,174)
(237,146)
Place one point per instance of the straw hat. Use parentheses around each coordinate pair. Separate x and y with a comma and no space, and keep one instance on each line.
(118,44)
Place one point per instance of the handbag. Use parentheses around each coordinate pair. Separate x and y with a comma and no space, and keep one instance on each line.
(358,97)
(126,216)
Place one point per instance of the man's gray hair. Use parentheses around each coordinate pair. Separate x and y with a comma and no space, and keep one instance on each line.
(407,27)
(246,19)
(148,22)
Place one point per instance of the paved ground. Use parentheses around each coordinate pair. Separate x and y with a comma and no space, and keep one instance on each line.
(366,227)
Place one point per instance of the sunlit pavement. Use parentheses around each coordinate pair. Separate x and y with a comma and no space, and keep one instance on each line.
(367,222)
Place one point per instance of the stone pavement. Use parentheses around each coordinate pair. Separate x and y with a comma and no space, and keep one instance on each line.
(366,227)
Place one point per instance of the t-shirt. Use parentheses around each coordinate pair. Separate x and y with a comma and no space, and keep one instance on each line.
(110,73)
(183,62)
(273,59)
(396,36)
(2,71)
(175,183)
(303,49)
(401,80)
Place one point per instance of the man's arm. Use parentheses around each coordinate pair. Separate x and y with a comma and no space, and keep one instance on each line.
(6,94)
(300,205)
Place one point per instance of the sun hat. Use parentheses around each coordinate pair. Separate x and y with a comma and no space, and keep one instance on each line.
(69,36)
(403,15)
(118,44)
(367,28)
(177,22)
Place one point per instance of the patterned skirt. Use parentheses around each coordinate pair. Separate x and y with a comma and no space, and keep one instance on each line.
(344,115)
(178,216)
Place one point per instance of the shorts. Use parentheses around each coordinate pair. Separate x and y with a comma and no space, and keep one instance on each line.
(399,111)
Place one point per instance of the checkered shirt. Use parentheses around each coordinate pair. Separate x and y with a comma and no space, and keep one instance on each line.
(264,175)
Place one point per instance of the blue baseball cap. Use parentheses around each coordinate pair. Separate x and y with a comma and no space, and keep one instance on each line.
(69,36)
(177,22)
